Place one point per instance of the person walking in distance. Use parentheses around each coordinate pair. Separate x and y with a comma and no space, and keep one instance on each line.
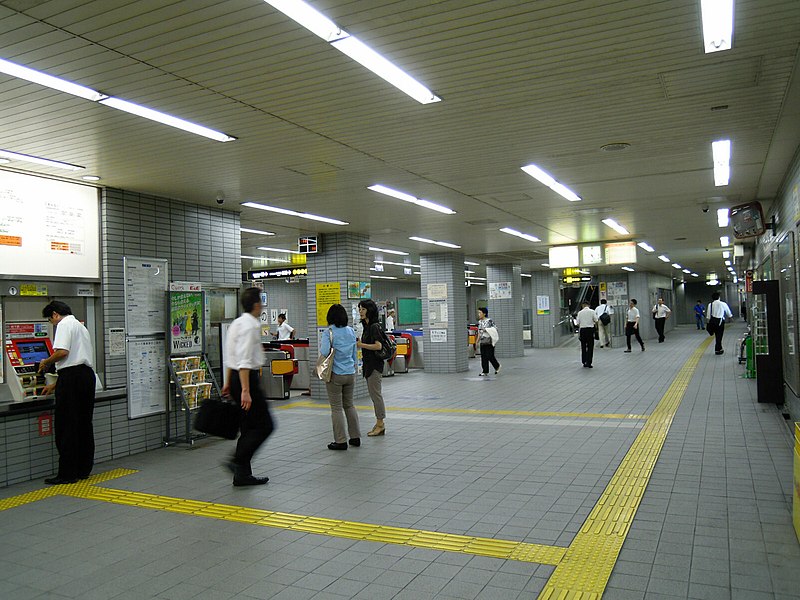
(700,315)
(586,321)
(390,320)
(74,388)
(372,366)
(632,325)
(243,359)
(661,313)
(604,323)
(487,341)
(718,311)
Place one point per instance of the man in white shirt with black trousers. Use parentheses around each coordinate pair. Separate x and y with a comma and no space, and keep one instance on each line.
(586,320)
(244,357)
(718,311)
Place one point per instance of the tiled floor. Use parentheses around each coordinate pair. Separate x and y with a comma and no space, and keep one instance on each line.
(714,522)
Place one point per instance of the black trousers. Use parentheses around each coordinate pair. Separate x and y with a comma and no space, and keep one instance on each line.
(73,428)
(256,425)
(631,330)
(487,356)
(586,335)
(660,328)
(718,333)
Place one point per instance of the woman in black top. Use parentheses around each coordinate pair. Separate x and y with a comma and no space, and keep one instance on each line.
(370,343)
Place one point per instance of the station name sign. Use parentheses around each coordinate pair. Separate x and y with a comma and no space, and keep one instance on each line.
(277,273)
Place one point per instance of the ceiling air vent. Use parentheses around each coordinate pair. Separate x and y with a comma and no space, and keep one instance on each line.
(615,147)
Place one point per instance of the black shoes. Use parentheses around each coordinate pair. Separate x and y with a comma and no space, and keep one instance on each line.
(249,480)
(59,481)
(355,442)
(628,350)
(342,446)
(719,352)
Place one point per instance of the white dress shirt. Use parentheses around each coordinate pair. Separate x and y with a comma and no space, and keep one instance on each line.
(285,331)
(390,323)
(602,309)
(73,337)
(720,310)
(661,311)
(633,314)
(243,344)
(586,318)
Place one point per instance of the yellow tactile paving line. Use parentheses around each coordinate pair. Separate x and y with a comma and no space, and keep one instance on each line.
(586,567)
(58,490)
(476,411)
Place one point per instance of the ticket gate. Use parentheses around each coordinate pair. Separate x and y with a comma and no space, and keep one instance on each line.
(472,340)
(277,364)
(402,355)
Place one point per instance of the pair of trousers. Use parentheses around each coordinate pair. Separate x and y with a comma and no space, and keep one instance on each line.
(660,328)
(604,333)
(586,335)
(487,356)
(718,333)
(631,330)
(73,429)
(701,321)
(374,382)
(340,395)
(256,424)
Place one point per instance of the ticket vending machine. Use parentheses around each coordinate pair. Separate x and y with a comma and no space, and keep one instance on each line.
(22,356)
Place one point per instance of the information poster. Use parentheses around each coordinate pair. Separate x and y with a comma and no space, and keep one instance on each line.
(186,317)
(145,303)
(437,291)
(617,292)
(359,289)
(438,336)
(116,341)
(542,305)
(500,290)
(437,314)
(328,294)
(147,377)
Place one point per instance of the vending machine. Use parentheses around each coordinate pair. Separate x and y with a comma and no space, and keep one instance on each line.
(26,345)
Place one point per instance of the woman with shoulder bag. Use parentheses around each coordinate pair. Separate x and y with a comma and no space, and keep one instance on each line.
(487,337)
(370,344)
(343,377)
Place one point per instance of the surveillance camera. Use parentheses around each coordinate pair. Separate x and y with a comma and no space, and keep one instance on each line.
(220,200)
(706,249)
(705,208)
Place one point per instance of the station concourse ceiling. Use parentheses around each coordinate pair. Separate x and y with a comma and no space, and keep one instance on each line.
(546,82)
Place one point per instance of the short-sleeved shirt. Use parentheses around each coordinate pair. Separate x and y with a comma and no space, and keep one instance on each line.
(344,343)
(73,337)
(699,309)
(603,309)
(285,331)
(633,314)
(719,310)
(243,344)
(661,311)
(371,362)
(586,318)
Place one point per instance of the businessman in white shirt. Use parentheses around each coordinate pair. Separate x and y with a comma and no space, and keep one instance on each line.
(718,312)
(661,313)
(604,330)
(586,320)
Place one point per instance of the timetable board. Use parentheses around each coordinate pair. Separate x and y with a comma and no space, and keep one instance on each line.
(147,376)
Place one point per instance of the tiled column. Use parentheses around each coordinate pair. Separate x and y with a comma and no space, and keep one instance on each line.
(506,312)
(544,331)
(344,257)
(449,355)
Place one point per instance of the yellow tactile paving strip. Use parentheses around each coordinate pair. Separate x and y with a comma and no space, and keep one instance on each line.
(476,411)
(59,490)
(586,567)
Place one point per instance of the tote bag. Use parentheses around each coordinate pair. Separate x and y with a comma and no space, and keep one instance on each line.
(324,368)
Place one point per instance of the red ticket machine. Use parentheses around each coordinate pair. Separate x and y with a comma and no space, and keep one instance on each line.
(22,356)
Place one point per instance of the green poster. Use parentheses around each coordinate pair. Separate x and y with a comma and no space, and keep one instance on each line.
(186,322)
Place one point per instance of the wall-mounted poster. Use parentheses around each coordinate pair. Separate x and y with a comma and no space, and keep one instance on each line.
(328,294)
(500,290)
(186,322)
(542,305)
(359,289)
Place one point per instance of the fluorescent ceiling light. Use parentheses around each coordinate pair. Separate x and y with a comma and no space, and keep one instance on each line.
(417,273)
(726,254)
(477,278)
(646,246)
(727,263)
(724,240)
(320,25)
(292,213)
(676,266)
(468,272)
(547,179)
(526,275)
(278,250)
(388,262)
(56,83)
(258,231)
(385,251)
(387,191)
(427,241)
(263,258)
(695,275)
(381,277)
(721,149)
(524,236)
(39,161)
(545,264)
(615,226)
(712,282)
(687,271)
(154,115)
(472,264)
(90,178)
(663,258)
(4,161)
(722,217)
(627,269)
(717,25)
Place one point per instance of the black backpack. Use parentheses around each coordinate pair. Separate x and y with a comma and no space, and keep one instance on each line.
(388,347)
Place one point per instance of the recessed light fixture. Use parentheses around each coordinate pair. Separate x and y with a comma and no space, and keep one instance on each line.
(547,179)
(427,241)
(627,269)
(663,258)
(727,263)
(385,251)
(645,246)
(472,264)
(387,191)
(90,178)
(526,275)
(292,213)
(721,150)
(320,25)
(524,236)
(38,160)
(388,262)
(258,231)
(695,275)
(724,240)
(676,266)
(722,217)
(382,277)
(687,271)
(277,250)
(726,254)
(466,272)
(615,226)
(545,264)
(717,25)
(417,273)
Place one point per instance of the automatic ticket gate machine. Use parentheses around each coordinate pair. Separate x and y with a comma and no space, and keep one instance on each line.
(22,356)
(403,353)
(277,372)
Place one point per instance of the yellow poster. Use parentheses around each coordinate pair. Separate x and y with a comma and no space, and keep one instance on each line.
(328,294)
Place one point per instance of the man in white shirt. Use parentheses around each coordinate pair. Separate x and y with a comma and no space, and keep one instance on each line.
(243,359)
(72,356)
(604,330)
(285,331)
(585,320)
(632,325)
(718,311)
(661,313)
(390,320)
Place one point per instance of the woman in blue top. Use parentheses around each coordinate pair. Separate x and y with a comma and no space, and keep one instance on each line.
(343,378)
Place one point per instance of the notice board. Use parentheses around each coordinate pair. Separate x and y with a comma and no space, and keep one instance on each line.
(409,311)
(147,376)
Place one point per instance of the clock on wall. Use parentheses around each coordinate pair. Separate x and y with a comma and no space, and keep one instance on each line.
(592,255)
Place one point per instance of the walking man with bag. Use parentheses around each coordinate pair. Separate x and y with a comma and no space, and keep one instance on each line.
(604,312)
(661,313)
(718,311)
(244,358)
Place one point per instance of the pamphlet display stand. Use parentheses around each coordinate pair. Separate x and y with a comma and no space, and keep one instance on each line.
(191,382)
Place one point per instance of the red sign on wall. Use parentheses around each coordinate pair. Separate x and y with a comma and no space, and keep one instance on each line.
(748,282)
(45,424)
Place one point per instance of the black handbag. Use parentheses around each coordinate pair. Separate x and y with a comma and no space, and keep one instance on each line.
(219,418)
(605,318)
(712,325)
